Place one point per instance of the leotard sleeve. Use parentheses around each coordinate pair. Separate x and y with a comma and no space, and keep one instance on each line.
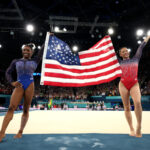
(139,51)
(10,70)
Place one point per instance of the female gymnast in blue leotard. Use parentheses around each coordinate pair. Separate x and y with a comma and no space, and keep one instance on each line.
(24,86)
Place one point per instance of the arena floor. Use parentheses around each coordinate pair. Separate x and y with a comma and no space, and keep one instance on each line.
(76,130)
(47,122)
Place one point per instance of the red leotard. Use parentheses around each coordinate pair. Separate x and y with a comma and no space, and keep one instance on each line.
(130,68)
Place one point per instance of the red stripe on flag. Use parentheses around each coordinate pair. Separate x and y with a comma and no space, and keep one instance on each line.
(60,75)
(52,66)
(103,44)
(106,37)
(79,84)
(98,60)
(95,53)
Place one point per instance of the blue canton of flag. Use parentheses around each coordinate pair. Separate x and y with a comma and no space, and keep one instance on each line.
(60,51)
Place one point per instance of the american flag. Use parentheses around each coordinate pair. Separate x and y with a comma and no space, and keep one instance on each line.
(62,67)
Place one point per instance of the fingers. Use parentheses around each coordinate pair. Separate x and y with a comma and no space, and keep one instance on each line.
(147,39)
(18,84)
(51,33)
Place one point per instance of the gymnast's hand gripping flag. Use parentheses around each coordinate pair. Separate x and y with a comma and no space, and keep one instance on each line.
(62,67)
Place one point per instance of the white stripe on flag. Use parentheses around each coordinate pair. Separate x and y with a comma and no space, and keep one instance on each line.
(81,67)
(103,41)
(63,80)
(96,57)
(67,72)
(95,50)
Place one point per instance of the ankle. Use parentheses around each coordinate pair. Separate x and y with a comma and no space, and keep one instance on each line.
(138,126)
(131,129)
(20,131)
(2,133)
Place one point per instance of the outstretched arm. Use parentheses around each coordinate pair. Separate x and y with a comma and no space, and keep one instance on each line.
(147,39)
(39,56)
(139,50)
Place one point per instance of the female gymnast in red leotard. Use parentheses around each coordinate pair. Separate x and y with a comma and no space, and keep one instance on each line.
(129,85)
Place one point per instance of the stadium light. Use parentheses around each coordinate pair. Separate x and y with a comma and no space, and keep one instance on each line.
(39,47)
(11,32)
(139,32)
(92,36)
(30,28)
(64,29)
(117,2)
(0,45)
(110,31)
(139,42)
(75,48)
(97,31)
(40,34)
(100,36)
(119,37)
(144,37)
(56,29)
(148,33)
(129,49)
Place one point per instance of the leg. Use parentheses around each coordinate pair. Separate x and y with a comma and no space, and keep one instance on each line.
(14,102)
(27,102)
(136,96)
(126,103)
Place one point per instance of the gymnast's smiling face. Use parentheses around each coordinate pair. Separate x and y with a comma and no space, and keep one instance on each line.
(124,53)
(27,52)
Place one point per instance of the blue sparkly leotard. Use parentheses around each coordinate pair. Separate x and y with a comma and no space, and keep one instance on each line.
(24,69)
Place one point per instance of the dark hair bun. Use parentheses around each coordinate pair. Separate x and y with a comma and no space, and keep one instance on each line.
(31,45)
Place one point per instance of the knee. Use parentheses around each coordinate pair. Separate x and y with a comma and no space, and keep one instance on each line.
(26,111)
(10,112)
(12,108)
(137,105)
(127,108)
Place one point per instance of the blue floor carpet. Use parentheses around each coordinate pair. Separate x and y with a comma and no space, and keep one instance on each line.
(76,142)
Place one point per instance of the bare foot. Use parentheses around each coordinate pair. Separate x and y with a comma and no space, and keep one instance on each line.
(2,135)
(132,133)
(138,132)
(18,135)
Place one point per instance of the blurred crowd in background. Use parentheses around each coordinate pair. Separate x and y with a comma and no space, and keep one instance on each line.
(73,93)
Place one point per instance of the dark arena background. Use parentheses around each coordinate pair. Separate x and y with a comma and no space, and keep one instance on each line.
(74,118)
